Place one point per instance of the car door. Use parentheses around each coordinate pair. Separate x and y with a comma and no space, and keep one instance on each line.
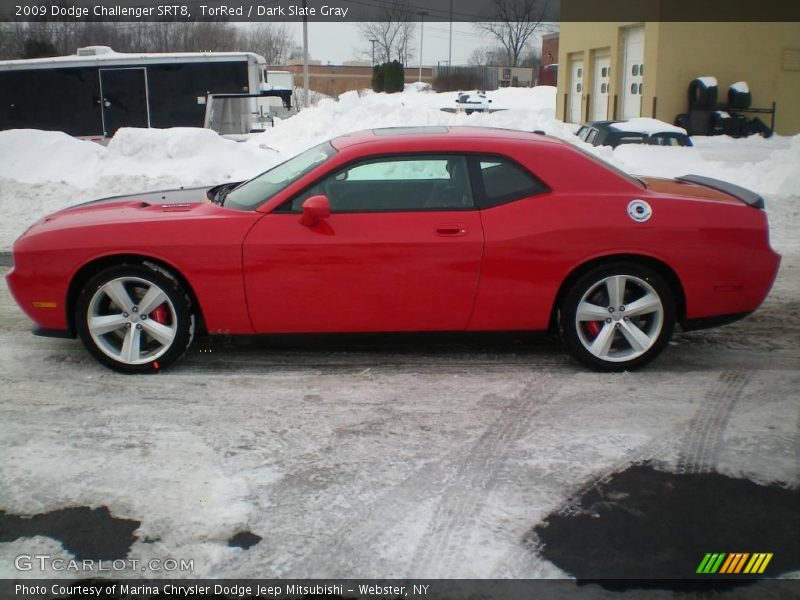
(401,251)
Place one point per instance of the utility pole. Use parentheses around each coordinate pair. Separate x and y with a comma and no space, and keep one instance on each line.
(373,51)
(422,14)
(450,50)
(307,98)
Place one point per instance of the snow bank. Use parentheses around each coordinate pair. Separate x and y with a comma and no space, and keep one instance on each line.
(141,159)
(184,155)
(647,125)
(524,108)
(768,168)
(188,154)
(33,156)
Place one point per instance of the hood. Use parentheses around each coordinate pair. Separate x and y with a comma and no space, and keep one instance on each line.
(165,198)
(165,204)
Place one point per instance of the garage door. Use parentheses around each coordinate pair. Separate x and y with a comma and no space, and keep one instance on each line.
(576,91)
(634,72)
(602,65)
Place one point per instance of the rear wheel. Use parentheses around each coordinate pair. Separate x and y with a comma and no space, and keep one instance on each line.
(617,317)
(135,318)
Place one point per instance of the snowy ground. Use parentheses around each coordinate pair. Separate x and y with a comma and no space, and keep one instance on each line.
(389,459)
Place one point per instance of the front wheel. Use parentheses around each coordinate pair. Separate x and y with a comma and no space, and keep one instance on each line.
(617,317)
(135,318)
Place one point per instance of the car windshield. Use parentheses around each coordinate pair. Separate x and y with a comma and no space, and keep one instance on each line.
(251,194)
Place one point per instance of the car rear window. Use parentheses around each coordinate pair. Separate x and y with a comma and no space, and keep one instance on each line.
(506,181)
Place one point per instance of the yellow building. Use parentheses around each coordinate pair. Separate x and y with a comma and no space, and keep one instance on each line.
(625,70)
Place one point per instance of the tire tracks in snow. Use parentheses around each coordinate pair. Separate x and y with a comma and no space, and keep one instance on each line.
(702,442)
(699,443)
(441,550)
(459,482)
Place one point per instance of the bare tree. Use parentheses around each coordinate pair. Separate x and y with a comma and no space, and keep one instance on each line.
(272,41)
(393,34)
(489,56)
(512,23)
(531,58)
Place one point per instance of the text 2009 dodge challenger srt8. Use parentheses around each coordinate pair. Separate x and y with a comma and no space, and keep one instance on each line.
(399,230)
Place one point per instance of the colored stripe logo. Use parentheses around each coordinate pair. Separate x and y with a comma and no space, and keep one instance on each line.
(734,563)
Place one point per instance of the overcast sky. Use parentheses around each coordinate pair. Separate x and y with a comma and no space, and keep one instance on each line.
(338,42)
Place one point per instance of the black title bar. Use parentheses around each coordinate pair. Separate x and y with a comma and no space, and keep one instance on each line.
(386,10)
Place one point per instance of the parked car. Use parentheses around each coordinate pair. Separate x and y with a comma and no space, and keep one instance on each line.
(472,102)
(403,229)
(635,131)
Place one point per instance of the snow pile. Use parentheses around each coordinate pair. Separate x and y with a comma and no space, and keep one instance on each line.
(45,171)
(33,156)
(184,155)
(528,109)
(144,160)
(191,155)
(766,166)
(417,86)
(647,125)
(741,86)
(707,81)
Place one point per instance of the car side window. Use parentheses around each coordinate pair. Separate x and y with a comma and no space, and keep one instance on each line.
(665,139)
(591,137)
(505,181)
(400,183)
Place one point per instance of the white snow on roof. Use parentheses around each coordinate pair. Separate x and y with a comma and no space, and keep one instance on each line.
(126,58)
(741,86)
(646,125)
(707,81)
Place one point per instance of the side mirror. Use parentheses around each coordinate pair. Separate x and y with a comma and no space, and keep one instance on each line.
(315,209)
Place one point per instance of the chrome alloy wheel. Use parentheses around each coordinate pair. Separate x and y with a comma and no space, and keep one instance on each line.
(619,318)
(132,320)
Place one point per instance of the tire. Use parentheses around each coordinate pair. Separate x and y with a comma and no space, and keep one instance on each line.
(702,96)
(738,99)
(627,337)
(127,339)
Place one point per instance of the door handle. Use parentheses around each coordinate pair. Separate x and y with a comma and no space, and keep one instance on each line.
(451,230)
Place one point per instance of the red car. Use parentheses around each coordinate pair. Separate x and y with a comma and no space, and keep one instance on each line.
(399,230)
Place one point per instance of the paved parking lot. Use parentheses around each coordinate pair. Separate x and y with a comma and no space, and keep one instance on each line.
(380,458)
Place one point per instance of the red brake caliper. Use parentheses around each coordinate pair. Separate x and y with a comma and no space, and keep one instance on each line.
(159,314)
(594,327)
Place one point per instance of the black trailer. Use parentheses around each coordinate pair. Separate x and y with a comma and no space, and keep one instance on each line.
(97,91)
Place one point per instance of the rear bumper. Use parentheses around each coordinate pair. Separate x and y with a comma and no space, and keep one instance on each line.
(721,293)
(708,322)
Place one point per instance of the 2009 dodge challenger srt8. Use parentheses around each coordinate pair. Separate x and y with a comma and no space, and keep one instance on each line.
(401,230)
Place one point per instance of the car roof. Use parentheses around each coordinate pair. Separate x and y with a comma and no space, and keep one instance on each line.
(388,137)
(600,124)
